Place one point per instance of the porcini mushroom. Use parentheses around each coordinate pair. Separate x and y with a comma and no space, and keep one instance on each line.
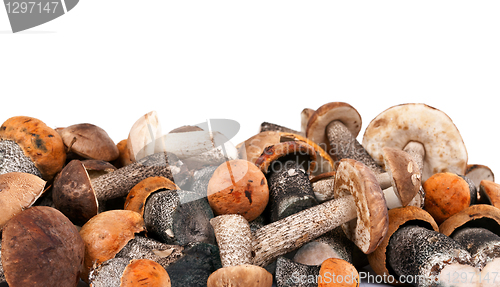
(41,246)
(77,195)
(238,187)
(29,145)
(446,194)
(89,141)
(18,191)
(129,273)
(422,131)
(234,239)
(477,229)
(335,126)
(106,234)
(490,193)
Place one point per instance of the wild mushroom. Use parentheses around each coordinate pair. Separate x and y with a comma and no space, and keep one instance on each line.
(358,196)
(29,145)
(18,191)
(490,193)
(265,127)
(106,234)
(129,273)
(96,168)
(338,272)
(77,196)
(41,246)
(479,172)
(286,166)
(335,126)
(238,187)
(124,155)
(305,115)
(422,131)
(234,239)
(138,195)
(89,141)
(252,148)
(415,252)
(477,230)
(446,194)
(400,184)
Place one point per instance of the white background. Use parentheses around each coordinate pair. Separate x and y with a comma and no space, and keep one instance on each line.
(109,62)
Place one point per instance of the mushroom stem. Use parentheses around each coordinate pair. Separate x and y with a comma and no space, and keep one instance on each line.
(118,183)
(289,233)
(482,244)
(265,126)
(234,239)
(417,252)
(344,145)
(290,191)
(417,151)
(13,159)
(384,180)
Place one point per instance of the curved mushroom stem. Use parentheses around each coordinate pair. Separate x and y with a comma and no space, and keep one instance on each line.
(344,145)
(423,254)
(417,151)
(482,244)
(289,233)
(234,239)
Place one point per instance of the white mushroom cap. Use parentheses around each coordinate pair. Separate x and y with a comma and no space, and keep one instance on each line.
(397,126)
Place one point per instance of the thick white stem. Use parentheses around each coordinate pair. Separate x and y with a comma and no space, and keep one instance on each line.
(234,239)
(417,151)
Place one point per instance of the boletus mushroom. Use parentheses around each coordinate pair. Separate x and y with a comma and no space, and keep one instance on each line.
(40,246)
(28,145)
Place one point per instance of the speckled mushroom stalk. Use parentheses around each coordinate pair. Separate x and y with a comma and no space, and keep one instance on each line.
(477,230)
(354,180)
(265,126)
(336,125)
(290,273)
(285,165)
(234,239)
(411,255)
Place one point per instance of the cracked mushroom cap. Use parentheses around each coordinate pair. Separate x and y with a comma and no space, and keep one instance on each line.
(73,194)
(40,246)
(18,191)
(327,113)
(480,215)
(89,141)
(398,217)
(241,276)
(137,196)
(238,187)
(404,173)
(370,227)
(399,125)
(106,234)
(42,144)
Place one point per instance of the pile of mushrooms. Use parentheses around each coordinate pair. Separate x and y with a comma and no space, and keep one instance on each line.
(283,208)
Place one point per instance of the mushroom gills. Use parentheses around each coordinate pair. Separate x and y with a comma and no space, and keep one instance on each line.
(290,190)
(482,244)
(418,251)
(13,159)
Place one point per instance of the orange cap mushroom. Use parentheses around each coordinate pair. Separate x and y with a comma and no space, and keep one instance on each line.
(338,272)
(40,143)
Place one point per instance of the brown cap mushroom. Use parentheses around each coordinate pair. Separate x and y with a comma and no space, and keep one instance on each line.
(89,141)
(136,198)
(238,187)
(106,234)
(446,194)
(18,191)
(490,193)
(398,217)
(40,143)
(339,273)
(40,246)
(418,123)
(241,275)
(124,155)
